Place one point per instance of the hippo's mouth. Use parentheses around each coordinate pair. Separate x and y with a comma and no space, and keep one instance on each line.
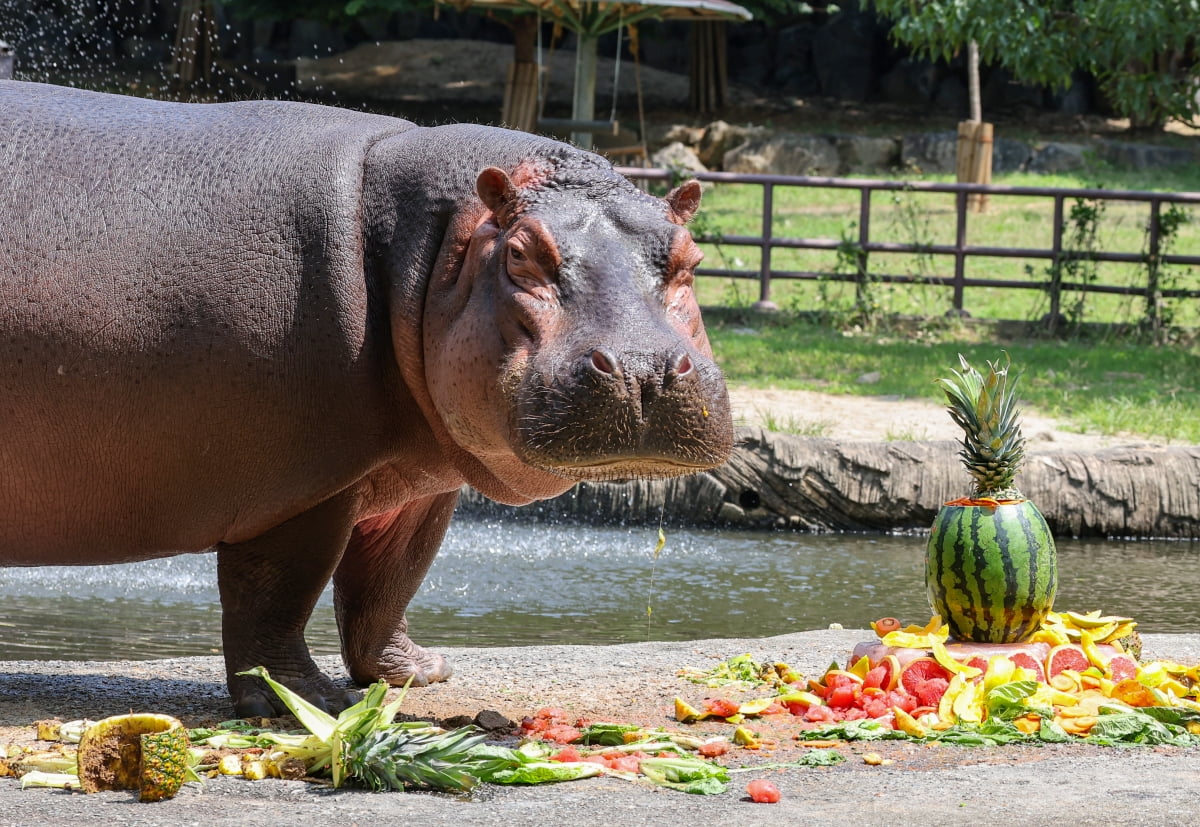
(589,436)
(617,470)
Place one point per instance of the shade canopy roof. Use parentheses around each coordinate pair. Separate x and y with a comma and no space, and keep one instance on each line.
(596,17)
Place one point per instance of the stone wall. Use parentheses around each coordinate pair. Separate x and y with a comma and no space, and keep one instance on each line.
(784,481)
(753,149)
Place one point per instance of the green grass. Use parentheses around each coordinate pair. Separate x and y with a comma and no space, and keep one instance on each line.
(1096,386)
(929,218)
(794,425)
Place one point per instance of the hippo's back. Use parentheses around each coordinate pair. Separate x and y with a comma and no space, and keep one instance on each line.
(182,302)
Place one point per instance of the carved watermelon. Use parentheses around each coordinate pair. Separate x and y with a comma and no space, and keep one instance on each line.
(991,571)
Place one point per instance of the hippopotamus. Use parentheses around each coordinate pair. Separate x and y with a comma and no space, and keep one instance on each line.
(290,333)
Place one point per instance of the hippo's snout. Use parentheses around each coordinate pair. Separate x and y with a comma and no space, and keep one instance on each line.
(626,413)
(605,364)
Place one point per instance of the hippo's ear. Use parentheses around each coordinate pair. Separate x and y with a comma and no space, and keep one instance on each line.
(498,193)
(683,201)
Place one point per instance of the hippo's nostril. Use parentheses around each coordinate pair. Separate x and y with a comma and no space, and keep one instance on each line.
(604,362)
(683,365)
(678,367)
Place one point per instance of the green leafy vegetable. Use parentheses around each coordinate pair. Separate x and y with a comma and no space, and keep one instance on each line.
(1052,733)
(864,730)
(607,734)
(686,774)
(1007,701)
(542,772)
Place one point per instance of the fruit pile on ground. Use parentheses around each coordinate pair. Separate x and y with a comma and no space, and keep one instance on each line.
(1073,679)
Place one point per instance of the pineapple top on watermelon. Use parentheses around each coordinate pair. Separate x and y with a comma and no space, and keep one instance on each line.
(990,566)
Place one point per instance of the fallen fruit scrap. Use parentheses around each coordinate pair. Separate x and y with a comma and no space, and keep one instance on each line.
(1073,680)
(365,747)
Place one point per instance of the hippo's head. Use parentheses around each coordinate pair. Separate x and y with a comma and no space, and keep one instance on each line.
(575,296)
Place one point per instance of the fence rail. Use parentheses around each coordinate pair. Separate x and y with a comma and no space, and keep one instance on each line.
(1152,258)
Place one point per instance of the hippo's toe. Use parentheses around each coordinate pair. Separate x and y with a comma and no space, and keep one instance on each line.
(403,661)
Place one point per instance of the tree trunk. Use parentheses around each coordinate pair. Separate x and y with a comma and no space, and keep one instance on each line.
(779,480)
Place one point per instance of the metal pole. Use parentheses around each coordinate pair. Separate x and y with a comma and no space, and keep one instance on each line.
(864,237)
(1054,316)
(1153,296)
(960,257)
(764,267)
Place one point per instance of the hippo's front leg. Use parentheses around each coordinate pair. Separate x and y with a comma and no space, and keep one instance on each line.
(269,586)
(383,567)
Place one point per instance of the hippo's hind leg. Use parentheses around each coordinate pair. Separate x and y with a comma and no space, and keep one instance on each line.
(383,567)
(269,586)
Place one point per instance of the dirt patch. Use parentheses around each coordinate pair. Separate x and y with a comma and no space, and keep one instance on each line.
(890,419)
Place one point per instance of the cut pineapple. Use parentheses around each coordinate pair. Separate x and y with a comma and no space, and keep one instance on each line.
(144,752)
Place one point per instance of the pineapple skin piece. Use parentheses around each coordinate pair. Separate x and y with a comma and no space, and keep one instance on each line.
(144,752)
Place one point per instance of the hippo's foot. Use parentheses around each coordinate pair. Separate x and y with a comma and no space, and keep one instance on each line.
(252,698)
(401,660)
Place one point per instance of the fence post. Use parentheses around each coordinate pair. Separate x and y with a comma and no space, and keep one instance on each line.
(861,287)
(764,269)
(1054,317)
(6,61)
(960,246)
(1153,297)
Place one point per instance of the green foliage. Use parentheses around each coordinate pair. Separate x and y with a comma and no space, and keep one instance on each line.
(1076,264)
(1159,314)
(1142,53)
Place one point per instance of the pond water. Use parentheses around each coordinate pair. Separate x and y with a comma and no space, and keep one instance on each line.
(499,584)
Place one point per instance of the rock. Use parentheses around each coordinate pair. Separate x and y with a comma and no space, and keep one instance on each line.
(858,152)
(952,96)
(794,71)
(492,721)
(930,151)
(937,152)
(911,82)
(1009,155)
(1143,156)
(785,154)
(1001,91)
(871,378)
(1059,157)
(844,54)
(677,157)
(682,134)
(720,137)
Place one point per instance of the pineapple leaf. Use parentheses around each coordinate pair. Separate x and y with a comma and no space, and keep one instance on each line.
(317,721)
(984,406)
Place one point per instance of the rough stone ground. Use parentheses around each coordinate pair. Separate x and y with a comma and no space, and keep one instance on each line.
(635,683)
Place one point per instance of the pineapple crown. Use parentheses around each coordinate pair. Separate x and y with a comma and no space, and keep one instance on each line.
(985,408)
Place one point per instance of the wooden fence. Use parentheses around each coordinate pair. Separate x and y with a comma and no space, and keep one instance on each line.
(1152,258)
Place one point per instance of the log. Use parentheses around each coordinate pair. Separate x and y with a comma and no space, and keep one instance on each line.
(785,481)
